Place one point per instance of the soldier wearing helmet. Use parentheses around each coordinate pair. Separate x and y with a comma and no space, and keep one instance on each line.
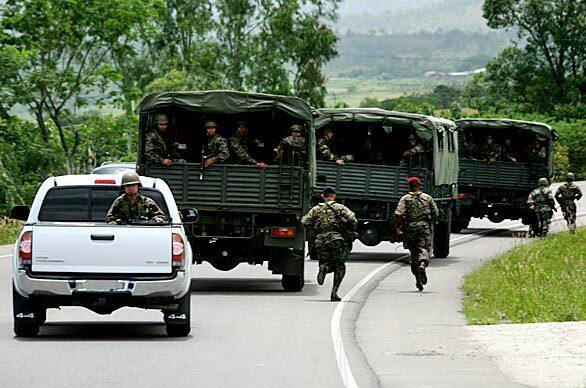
(216,149)
(541,201)
(567,195)
(294,144)
(157,148)
(414,217)
(414,156)
(327,149)
(490,151)
(131,205)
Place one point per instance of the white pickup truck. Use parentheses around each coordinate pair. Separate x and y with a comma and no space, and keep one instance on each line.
(67,255)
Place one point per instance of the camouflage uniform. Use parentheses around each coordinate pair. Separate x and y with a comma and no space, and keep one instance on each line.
(217,148)
(123,211)
(418,210)
(327,151)
(156,148)
(291,143)
(330,244)
(542,200)
(488,152)
(566,194)
(469,150)
(239,148)
(538,156)
(415,157)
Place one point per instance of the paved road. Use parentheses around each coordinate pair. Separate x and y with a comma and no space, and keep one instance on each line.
(246,332)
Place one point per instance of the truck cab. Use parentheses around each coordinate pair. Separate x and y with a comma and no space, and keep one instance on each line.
(67,255)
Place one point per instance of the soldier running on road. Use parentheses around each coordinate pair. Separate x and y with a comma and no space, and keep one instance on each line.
(567,195)
(415,214)
(541,201)
(133,206)
(331,221)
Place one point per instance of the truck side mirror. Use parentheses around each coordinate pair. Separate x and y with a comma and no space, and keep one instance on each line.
(20,212)
(321,178)
(189,215)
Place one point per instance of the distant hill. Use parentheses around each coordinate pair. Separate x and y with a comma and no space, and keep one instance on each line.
(349,7)
(465,15)
(412,55)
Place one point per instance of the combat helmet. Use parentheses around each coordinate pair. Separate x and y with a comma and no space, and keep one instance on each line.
(210,124)
(570,177)
(161,118)
(130,178)
(543,182)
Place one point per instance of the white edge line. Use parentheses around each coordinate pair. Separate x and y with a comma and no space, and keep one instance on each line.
(5,256)
(336,324)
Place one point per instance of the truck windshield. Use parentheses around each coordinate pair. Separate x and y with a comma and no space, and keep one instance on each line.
(82,203)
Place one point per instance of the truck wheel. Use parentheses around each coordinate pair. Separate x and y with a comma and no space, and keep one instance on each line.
(178,322)
(441,240)
(26,315)
(293,283)
(460,223)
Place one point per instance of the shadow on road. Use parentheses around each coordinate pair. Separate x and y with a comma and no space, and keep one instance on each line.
(375,256)
(100,331)
(246,286)
(496,232)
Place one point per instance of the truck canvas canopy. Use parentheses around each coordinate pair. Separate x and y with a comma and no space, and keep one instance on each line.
(439,132)
(507,124)
(226,102)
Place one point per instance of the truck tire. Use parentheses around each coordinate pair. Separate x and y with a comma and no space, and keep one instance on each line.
(26,315)
(178,322)
(293,283)
(441,240)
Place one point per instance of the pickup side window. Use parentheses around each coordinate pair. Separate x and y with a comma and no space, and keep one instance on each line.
(87,203)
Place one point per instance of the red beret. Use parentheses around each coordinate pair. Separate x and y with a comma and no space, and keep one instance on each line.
(413,179)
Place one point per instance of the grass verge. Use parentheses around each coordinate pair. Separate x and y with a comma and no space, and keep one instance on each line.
(9,230)
(541,282)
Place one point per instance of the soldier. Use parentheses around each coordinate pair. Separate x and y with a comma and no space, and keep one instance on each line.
(468,149)
(327,148)
(156,148)
(415,214)
(415,155)
(490,151)
(216,150)
(567,195)
(370,154)
(541,201)
(293,143)
(537,153)
(239,146)
(508,153)
(332,222)
(131,205)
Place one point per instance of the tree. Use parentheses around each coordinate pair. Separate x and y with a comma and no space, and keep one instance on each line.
(62,50)
(554,56)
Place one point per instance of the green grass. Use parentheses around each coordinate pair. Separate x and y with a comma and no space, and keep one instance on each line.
(9,230)
(541,282)
(353,90)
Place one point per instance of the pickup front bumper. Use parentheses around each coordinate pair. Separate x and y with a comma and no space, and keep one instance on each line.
(175,287)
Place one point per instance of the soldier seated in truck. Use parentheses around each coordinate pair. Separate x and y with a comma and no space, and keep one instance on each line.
(490,151)
(216,149)
(239,146)
(468,149)
(327,149)
(508,151)
(131,206)
(538,153)
(294,144)
(414,156)
(369,154)
(157,145)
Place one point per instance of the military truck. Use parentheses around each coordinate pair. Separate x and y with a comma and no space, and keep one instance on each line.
(498,188)
(374,176)
(247,214)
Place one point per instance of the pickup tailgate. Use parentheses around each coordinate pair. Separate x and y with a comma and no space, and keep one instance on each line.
(83,248)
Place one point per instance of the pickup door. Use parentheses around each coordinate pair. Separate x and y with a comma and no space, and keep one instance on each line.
(76,247)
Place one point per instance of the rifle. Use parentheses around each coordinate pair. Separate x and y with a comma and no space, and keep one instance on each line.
(202,162)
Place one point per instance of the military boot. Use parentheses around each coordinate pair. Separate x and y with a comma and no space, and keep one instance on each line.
(335,298)
(421,275)
(419,285)
(321,275)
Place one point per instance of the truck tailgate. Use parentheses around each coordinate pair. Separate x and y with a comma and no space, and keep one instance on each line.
(90,248)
